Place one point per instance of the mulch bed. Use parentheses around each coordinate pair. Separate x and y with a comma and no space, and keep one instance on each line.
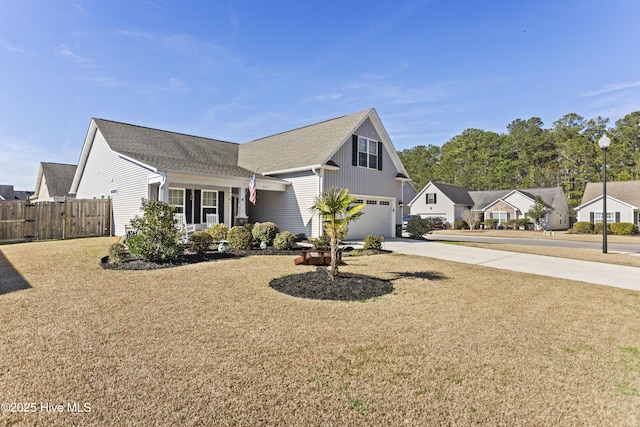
(345,287)
(312,284)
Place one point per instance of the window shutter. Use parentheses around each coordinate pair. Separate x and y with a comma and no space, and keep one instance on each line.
(591,217)
(379,155)
(354,150)
(617,216)
(221,208)
(434,198)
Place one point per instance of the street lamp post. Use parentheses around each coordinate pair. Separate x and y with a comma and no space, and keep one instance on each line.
(604,143)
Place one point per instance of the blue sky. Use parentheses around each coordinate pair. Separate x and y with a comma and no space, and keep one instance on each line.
(240,70)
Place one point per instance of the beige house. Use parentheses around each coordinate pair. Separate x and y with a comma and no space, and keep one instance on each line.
(54,182)
(623,202)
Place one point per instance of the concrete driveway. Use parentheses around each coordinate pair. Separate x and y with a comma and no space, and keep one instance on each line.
(583,271)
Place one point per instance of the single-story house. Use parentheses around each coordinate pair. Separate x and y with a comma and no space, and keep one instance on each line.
(623,202)
(53,182)
(208,180)
(7,193)
(451,201)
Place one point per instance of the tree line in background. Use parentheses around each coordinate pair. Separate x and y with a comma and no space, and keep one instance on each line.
(530,156)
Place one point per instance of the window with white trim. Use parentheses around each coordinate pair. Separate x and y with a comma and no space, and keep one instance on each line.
(367,153)
(431,198)
(209,202)
(611,217)
(176,198)
(372,202)
(384,203)
(500,216)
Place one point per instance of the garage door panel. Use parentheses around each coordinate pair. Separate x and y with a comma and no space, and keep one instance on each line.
(377,219)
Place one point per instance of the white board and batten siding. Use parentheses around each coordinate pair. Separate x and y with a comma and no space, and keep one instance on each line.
(378,189)
(289,210)
(107,174)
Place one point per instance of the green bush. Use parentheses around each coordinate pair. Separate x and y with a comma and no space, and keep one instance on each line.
(240,237)
(265,232)
(218,232)
(285,240)
(372,242)
(624,228)
(583,227)
(597,228)
(156,237)
(323,242)
(199,242)
(118,253)
(491,223)
(417,227)
(460,224)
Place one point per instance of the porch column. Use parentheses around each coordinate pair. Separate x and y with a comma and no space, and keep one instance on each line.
(242,218)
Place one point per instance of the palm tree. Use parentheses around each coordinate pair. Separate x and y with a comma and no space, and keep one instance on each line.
(336,207)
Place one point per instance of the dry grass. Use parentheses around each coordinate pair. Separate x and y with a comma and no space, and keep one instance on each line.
(611,257)
(212,344)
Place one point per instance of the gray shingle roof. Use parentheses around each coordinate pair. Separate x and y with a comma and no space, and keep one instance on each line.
(552,197)
(309,145)
(458,195)
(626,191)
(59,177)
(174,152)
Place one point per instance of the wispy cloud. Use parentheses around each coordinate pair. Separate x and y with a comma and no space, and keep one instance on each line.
(614,87)
(65,52)
(108,82)
(12,48)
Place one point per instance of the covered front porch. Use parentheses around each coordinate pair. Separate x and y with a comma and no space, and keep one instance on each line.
(203,201)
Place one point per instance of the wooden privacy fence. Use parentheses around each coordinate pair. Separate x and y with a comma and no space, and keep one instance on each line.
(22,220)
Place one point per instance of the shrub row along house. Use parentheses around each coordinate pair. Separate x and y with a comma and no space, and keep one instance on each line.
(450,202)
(208,180)
(623,202)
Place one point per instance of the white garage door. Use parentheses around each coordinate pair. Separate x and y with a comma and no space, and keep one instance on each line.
(377,219)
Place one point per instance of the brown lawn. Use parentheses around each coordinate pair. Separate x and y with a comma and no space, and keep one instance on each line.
(213,344)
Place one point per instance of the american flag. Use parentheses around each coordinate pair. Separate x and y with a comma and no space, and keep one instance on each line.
(252,190)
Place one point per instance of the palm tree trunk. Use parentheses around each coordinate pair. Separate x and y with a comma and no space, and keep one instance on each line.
(333,269)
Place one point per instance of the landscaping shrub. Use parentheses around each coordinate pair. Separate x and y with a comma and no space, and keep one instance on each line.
(460,224)
(240,237)
(218,232)
(285,240)
(597,228)
(265,232)
(490,223)
(323,242)
(417,227)
(156,237)
(199,242)
(624,228)
(300,237)
(372,242)
(118,253)
(583,227)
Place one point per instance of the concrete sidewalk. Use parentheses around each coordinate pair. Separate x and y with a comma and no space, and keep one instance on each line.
(583,271)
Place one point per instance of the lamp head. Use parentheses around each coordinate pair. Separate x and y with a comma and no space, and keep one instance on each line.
(604,142)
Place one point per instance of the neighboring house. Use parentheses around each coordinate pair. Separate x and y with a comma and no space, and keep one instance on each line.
(441,201)
(408,193)
(450,201)
(623,202)
(8,193)
(207,179)
(54,181)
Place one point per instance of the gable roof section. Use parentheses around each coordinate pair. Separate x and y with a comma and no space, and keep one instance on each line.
(59,177)
(305,146)
(457,195)
(552,197)
(172,152)
(312,145)
(626,191)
